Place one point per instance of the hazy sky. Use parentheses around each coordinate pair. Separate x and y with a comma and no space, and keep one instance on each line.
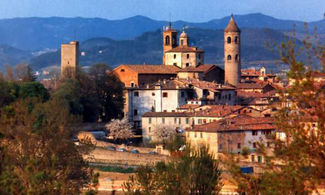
(189,10)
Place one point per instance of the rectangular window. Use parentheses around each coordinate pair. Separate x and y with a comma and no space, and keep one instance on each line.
(253,158)
(175,120)
(179,121)
(136,94)
(187,120)
(254,133)
(165,94)
(195,134)
(135,112)
(182,94)
(163,120)
(201,135)
(238,146)
(150,120)
(254,145)
(220,146)
(259,159)
(149,129)
(200,121)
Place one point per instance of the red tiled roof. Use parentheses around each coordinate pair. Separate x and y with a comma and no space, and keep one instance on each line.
(232,26)
(166,114)
(239,123)
(185,49)
(217,111)
(163,84)
(201,68)
(259,85)
(152,69)
(188,106)
(318,74)
(211,86)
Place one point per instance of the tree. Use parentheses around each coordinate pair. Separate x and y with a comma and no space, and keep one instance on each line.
(120,129)
(9,92)
(196,172)
(33,90)
(23,72)
(37,153)
(69,92)
(108,90)
(164,133)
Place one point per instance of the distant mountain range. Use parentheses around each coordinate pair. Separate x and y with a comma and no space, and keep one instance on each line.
(147,48)
(40,33)
(124,40)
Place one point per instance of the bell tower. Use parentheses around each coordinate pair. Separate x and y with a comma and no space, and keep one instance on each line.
(183,39)
(232,53)
(169,40)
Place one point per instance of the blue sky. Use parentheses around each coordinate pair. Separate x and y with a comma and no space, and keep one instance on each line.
(189,10)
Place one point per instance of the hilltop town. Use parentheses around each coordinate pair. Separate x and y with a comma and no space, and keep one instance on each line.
(139,115)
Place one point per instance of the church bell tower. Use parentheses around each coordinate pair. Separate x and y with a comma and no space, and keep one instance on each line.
(169,40)
(232,55)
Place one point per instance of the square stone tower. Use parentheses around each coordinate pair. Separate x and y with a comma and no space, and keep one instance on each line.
(69,59)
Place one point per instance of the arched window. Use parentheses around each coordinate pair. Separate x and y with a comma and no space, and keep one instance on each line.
(182,42)
(187,56)
(236,39)
(174,40)
(237,58)
(229,57)
(228,39)
(167,40)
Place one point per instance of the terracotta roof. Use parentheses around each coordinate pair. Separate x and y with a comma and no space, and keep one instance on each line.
(232,26)
(259,85)
(217,111)
(163,84)
(184,49)
(211,86)
(318,74)
(245,94)
(201,68)
(166,114)
(152,69)
(188,106)
(239,123)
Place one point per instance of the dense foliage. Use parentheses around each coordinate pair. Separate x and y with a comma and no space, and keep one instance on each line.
(196,172)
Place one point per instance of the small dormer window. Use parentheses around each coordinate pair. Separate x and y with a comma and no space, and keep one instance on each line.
(122,70)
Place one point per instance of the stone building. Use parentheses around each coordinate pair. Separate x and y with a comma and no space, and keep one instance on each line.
(174,120)
(69,59)
(231,135)
(141,75)
(183,55)
(161,96)
(232,53)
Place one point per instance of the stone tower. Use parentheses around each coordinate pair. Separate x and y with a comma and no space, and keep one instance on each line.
(69,59)
(183,39)
(169,40)
(232,53)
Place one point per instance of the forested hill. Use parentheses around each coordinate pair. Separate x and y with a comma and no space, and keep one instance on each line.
(41,33)
(147,48)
